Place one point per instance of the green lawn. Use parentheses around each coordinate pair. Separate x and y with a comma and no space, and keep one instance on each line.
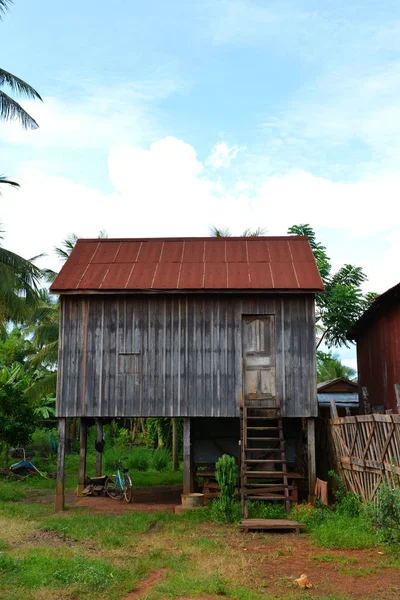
(82,554)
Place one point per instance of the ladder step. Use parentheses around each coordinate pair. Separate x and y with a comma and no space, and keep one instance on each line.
(264,439)
(247,449)
(267,497)
(261,428)
(266,474)
(258,460)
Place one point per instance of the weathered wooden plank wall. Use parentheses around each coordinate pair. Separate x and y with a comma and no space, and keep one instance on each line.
(178,355)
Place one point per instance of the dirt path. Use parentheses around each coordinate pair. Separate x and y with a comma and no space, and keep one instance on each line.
(146,584)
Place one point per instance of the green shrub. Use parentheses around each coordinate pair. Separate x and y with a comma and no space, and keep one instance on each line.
(160,459)
(347,503)
(227,475)
(386,513)
(266,510)
(11,491)
(218,512)
(140,458)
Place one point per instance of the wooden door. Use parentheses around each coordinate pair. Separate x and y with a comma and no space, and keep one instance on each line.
(258,357)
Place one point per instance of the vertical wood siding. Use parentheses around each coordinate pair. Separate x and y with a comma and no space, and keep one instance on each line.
(378,358)
(178,355)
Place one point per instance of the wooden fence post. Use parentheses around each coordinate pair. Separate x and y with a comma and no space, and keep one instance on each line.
(82,455)
(367,405)
(188,485)
(99,439)
(175,458)
(397,392)
(60,496)
(312,465)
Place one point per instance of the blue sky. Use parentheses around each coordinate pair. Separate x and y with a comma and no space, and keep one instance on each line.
(163,118)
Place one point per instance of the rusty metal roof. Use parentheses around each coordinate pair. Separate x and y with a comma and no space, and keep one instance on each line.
(262,263)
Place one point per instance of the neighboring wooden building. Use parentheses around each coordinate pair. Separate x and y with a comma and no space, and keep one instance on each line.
(345,394)
(377,334)
(185,328)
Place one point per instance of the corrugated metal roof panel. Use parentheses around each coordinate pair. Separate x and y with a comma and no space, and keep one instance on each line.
(215,252)
(236,252)
(192,276)
(172,252)
(93,276)
(142,276)
(258,251)
(106,253)
(150,251)
(340,399)
(117,276)
(190,263)
(166,277)
(260,276)
(193,252)
(279,251)
(284,275)
(215,276)
(238,275)
(128,252)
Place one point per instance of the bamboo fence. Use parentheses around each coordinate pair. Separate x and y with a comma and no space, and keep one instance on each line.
(367,451)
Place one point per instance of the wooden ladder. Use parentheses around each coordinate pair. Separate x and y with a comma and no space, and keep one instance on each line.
(263,470)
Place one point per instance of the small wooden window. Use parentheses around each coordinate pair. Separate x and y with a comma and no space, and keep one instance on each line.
(129,363)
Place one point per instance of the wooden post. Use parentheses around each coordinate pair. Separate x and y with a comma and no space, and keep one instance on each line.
(367,405)
(397,392)
(60,496)
(312,467)
(99,455)
(175,458)
(334,412)
(187,457)
(82,455)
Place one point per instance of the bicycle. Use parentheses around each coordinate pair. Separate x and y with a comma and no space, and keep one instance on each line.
(119,485)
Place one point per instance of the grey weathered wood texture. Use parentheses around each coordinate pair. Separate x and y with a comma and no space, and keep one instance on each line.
(178,355)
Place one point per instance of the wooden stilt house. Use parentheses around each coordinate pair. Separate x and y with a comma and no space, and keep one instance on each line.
(219,331)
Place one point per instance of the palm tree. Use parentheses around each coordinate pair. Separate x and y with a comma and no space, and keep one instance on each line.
(10,109)
(19,279)
(5,181)
(226,232)
(329,366)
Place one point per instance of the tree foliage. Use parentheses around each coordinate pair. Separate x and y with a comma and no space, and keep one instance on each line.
(342,302)
(329,366)
(10,109)
(17,412)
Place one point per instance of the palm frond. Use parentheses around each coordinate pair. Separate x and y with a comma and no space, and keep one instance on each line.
(48,355)
(11,110)
(4,4)
(43,387)
(67,246)
(4,180)
(254,232)
(19,86)
(216,232)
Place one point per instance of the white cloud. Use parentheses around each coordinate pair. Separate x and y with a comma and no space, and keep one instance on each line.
(222,155)
(166,191)
(97,117)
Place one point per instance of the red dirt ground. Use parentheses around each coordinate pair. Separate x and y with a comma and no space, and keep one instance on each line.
(150,499)
(278,559)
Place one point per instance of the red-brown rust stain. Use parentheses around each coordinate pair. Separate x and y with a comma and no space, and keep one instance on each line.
(144,586)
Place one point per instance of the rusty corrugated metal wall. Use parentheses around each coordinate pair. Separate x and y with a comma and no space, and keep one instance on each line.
(378,357)
(178,355)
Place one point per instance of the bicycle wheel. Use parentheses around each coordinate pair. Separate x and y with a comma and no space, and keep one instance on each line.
(113,488)
(127,488)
